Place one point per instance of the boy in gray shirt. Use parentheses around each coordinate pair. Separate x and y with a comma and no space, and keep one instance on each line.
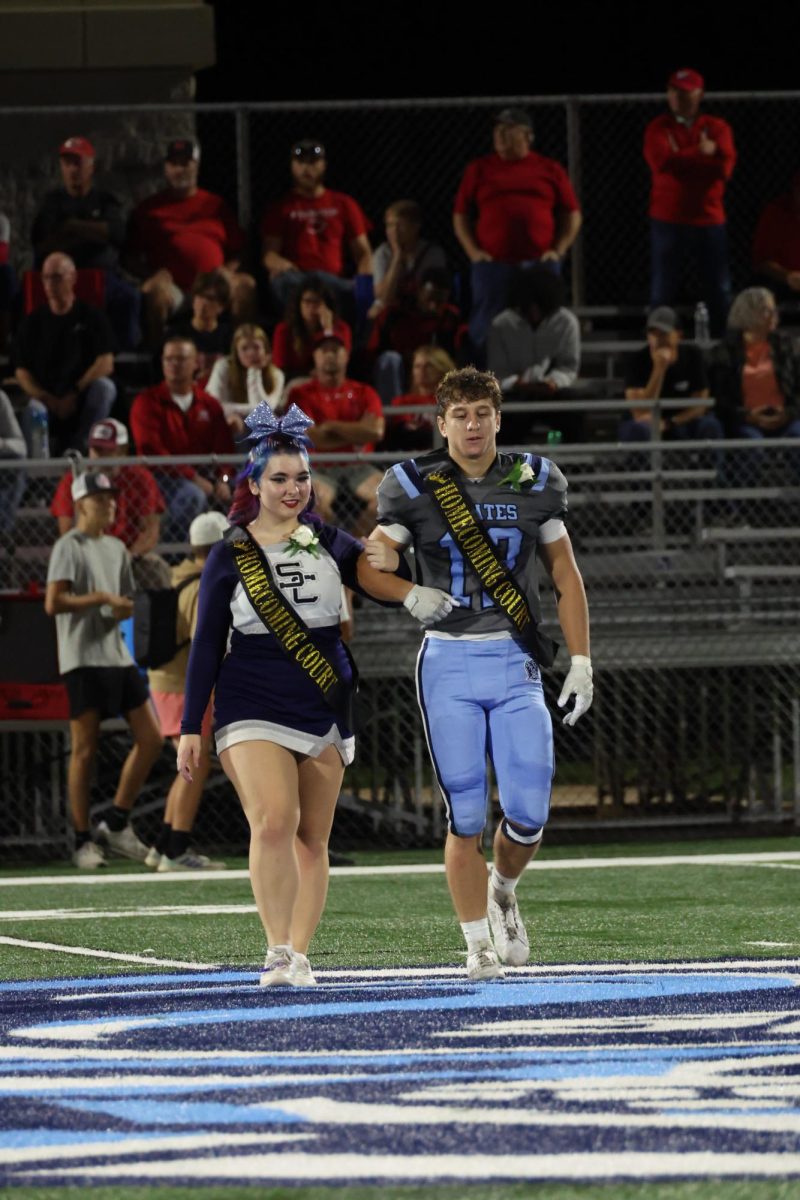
(89,590)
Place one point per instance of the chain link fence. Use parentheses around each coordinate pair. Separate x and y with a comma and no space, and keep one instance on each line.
(381,150)
(693,590)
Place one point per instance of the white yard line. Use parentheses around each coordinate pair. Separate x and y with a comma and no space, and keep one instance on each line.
(83,879)
(160,910)
(85,952)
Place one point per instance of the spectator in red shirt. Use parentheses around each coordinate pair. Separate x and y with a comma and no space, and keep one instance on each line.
(412,431)
(310,312)
(691,157)
(776,246)
(311,228)
(181,232)
(348,417)
(178,417)
(429,320)
(139,502)
(527,212)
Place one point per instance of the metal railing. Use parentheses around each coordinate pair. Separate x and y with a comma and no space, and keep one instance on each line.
(696,646)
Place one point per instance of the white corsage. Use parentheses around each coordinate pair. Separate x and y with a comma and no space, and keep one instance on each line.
(302,539)
(521,475)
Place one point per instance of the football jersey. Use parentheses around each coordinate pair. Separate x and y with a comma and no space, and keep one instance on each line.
(512,521)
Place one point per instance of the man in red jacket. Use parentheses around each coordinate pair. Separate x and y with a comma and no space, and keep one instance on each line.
(178,417)
(691,156)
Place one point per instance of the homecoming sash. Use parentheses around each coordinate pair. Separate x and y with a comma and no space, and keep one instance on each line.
(495,578)
(289,629)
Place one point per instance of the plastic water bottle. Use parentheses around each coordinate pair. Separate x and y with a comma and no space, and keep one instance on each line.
(554,437)
(40,433)
(702,333)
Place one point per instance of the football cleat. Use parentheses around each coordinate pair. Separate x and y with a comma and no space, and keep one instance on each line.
(277,968)
(483,963)
(508,931)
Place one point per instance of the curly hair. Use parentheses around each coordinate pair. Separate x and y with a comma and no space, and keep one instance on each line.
(465,386)
(747,310)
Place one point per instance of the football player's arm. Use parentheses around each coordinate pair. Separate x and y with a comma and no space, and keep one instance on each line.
(573,615)
(427,605)
(573,611)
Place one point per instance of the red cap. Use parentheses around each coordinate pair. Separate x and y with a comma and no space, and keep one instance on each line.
(108,432)
(328,335)
(80,146)
(686,80)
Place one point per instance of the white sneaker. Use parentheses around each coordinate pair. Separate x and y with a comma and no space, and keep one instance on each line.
(277,969)
(190,860)
(153,858)
(124,842)
(483,963)
(89,857)
(302,975)
(508,931)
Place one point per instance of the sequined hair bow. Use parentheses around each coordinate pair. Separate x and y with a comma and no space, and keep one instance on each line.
(263,423)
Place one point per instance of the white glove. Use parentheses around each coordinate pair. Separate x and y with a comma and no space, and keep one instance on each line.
(579,681)
(428,605)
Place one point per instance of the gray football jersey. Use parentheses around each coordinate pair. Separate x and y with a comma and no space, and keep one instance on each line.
(511,519)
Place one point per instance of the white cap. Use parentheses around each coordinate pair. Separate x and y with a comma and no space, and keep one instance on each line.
(90,483)
(208,528)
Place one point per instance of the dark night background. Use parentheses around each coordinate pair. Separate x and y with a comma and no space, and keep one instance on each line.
(292,51)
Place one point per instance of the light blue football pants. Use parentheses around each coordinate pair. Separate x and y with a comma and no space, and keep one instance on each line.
(479,699)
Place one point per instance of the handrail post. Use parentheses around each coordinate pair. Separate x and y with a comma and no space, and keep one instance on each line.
(575,174)
(243,205)
(659,538)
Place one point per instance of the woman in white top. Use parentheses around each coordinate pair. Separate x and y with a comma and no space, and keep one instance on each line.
(246,377)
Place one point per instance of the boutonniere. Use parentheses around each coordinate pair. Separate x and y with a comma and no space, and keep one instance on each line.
(302,539)
(520,476)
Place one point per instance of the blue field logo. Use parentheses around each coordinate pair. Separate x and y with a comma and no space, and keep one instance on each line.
(559,1073)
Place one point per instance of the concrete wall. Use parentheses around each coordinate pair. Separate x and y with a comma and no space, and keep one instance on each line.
(91,53)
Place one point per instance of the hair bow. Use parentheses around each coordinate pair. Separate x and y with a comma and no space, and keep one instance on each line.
(263,423)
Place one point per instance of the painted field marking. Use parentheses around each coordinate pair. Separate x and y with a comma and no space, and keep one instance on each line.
(441,1167)
(85,952)
(159,910)
(563,864)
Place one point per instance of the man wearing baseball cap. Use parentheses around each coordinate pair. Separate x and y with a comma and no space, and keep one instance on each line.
(513,207)
(85,222)
(139,501)
(666,367)
(89,590)
(181,232)
(171,851)
(691,156)
(347,416)
(312,227)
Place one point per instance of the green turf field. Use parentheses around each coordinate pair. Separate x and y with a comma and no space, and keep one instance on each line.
(722,1189)
(629,913)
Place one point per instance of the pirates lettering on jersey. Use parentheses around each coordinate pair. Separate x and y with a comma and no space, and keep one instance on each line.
(511,520)
(496,512)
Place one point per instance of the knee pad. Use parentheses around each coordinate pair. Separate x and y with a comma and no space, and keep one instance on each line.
(520,834)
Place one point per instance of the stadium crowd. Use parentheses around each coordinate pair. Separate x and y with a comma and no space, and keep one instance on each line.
(350,329)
